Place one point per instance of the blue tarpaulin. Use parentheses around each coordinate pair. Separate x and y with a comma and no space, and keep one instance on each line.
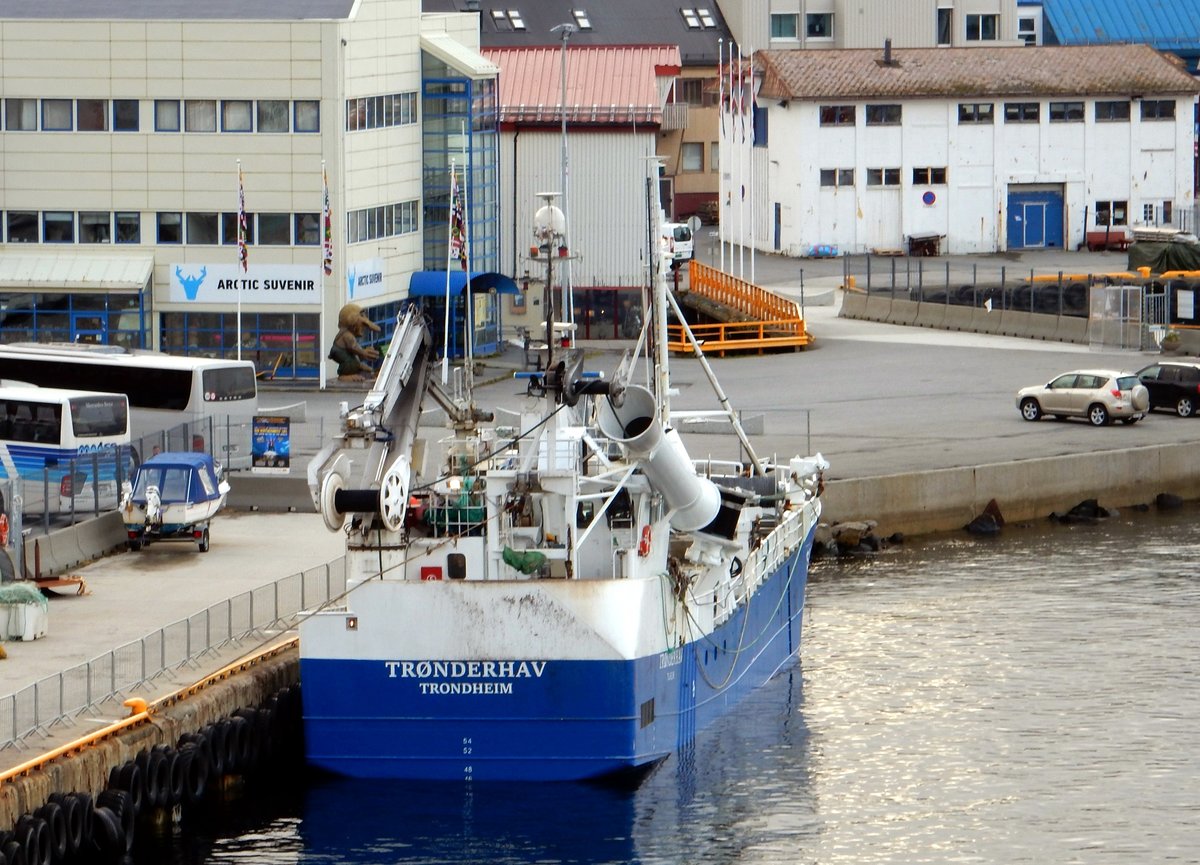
(432,283)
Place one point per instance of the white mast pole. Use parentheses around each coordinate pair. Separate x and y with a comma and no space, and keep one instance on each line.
(449,262)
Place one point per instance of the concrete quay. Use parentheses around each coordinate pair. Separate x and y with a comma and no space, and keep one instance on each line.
(920,427)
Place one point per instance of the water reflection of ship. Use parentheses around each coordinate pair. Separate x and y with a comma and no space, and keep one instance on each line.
(743,784)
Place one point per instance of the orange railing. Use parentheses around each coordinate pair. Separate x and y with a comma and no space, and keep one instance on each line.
(769,321)
(750,300)
(740,336)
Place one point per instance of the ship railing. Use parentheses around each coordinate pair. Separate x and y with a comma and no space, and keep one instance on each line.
(773,552)
(182,650)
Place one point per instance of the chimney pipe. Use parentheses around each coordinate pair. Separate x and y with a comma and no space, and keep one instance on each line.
(887,52)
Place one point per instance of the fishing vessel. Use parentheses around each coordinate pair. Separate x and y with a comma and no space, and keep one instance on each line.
(566,595)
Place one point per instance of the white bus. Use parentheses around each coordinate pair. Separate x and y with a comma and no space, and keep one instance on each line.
(176,403)
(69,448)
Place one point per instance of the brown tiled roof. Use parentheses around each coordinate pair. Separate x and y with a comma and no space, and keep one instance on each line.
(605,84)
(1080,70)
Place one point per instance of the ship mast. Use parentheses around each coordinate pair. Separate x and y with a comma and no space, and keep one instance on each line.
(658,295)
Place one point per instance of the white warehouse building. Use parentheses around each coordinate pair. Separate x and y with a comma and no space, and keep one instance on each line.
(979,150)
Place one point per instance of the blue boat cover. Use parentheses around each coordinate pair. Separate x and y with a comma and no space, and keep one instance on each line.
(432,283)
(172,472)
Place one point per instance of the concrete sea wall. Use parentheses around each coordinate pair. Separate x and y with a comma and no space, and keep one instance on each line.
(947,499)
(84,766)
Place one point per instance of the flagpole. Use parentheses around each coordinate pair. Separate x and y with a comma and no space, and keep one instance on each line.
(721,152)
(753,209)
(326,258)
(242,262)
(449,259)
(741,100)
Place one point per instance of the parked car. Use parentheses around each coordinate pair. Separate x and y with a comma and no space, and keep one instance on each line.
(1100,395)
(1174,386)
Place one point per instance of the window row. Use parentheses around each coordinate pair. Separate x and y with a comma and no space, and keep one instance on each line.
(980,27)
(876,115)
(379,112)
(170,115)
(389,220)
(924,176)
(817,25)
(1105,111)
(64,226)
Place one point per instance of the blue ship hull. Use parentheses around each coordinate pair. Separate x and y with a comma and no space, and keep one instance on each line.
(545,720)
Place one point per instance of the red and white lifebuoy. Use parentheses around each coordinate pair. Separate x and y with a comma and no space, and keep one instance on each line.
(644,543)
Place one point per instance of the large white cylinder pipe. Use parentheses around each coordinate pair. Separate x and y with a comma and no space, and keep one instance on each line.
(694,500)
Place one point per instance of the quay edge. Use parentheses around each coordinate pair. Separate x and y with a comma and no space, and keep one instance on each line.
(247,684)
(942,500)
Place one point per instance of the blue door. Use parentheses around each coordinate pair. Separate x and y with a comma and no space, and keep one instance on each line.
(1035,219)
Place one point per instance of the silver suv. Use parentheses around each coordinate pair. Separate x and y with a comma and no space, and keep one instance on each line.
(1099,395)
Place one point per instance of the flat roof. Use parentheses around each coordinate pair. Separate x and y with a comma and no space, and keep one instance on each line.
(177,10)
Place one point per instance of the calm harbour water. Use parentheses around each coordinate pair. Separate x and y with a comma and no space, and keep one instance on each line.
(1028,698)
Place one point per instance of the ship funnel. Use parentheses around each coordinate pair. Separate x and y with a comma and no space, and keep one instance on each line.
(694,500)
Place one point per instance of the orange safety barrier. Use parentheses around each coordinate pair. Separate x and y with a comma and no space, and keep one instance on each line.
(755,336)
(750,300)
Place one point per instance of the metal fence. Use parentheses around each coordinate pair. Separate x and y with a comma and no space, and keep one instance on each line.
(1000,288)
(116,675)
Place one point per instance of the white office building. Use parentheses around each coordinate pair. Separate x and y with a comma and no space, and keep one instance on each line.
(125,124)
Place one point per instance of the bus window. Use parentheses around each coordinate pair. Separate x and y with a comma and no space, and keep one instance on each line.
(99,416)
(221,384)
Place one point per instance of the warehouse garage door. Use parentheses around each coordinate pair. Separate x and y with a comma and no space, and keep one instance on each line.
(1035,217)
